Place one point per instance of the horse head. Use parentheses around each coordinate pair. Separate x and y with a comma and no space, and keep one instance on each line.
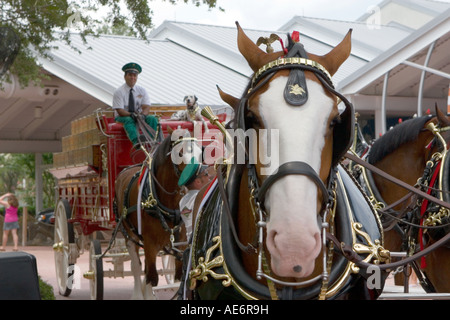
(293,96)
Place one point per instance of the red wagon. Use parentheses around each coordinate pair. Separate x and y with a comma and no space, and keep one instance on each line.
(93,155)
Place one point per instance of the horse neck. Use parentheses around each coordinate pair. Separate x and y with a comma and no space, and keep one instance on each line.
(163,172)
(406,163)
(166,185)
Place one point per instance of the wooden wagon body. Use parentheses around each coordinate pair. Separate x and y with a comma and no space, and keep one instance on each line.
(93,155)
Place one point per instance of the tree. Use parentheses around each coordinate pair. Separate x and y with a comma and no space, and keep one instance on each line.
(17,175)
(39,23)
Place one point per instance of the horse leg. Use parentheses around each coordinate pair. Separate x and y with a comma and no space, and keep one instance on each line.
(151,275)
(136,269)
(437,268)
(178,269)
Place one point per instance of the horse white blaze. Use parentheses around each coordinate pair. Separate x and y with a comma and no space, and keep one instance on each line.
(293,235)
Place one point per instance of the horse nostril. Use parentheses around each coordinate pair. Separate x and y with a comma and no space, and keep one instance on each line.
(297,268)
(271,237)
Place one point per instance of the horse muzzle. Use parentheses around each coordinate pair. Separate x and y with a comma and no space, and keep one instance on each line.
(293,252)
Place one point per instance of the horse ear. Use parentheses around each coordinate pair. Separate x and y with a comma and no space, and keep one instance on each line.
(336,57)
(229,99)
(255,57)
(169,130)
(442,119)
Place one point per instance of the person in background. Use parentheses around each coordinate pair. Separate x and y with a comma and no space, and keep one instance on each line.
(193,177)
(131,101)
(11,222)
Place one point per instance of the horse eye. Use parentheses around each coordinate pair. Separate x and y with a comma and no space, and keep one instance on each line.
(336,120)
(252,118)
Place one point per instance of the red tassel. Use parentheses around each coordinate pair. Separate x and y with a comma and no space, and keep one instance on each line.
(423,263)
(282,46)
(423,209)
(296,36)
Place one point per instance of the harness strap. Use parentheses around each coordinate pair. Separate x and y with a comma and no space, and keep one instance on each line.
(397,181)
(352,256)
(246,248)
(298,168)
(423,209)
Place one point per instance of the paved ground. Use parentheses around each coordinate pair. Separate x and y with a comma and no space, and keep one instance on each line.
(121,288)
(114,289)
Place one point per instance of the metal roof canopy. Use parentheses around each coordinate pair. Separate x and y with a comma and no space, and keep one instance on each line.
(34,119)
(417,67)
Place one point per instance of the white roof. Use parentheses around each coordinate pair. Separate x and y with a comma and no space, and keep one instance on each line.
(425,7)
(219,43)
(367,41)
(413,49)
(170,71)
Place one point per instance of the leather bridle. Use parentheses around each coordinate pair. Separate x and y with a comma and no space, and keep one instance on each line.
(258,193)
(261,78)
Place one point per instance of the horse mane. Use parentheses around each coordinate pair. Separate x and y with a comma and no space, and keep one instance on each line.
(159,157)
(402,133)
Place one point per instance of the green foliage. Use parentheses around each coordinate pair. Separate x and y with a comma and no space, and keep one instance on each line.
(39,23)
(46,290)
(17,168)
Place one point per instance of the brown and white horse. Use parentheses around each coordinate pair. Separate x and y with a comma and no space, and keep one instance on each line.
(305,134)
(403,152)
(276,206)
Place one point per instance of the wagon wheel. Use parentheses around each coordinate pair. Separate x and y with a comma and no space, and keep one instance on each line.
(96,269)
(63,236)
(168,264)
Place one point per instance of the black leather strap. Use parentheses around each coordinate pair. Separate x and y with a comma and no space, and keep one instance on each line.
(296,91)
(298,168)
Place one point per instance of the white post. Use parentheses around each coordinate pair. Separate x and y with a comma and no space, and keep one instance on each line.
(38,179)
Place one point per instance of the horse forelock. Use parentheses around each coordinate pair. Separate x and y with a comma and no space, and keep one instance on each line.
(402,133)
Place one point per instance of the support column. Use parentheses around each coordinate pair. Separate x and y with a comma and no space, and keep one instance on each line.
(383,103)
(422,80)
(379,123)
(38,180)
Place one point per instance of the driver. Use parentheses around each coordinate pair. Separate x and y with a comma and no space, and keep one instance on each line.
(131,101)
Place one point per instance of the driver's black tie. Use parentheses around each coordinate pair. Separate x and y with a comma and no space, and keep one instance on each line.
(131,101)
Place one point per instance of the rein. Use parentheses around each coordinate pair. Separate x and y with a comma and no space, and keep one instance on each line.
(353,257)
(397,181)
